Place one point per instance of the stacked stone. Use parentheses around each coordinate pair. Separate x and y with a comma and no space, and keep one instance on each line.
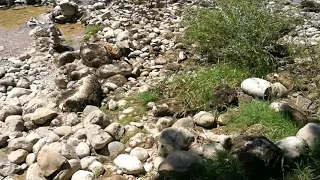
(54,39)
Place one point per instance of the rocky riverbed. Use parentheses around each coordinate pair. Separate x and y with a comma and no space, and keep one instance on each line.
(65,106)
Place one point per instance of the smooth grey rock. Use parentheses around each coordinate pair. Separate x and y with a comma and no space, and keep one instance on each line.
(82,175)
(293,147)
(97,137)
(180,164)
(174,139)
(97,168)
(184,122)
(97,117)
(82,150)
(31,158)
(141,153)
(18,156)
(43,115)
(116,130)
(114,149)
(211,150)
(204,119)
(311,134)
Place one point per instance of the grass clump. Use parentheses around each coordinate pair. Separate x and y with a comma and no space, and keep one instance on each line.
(275,125)
(128,119)
(195,88)
(225,167)
(243,32)
(90,31)
(144,98)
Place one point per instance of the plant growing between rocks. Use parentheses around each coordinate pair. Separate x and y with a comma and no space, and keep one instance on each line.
(195,87)
(243,32)
(257,118)
(91,31)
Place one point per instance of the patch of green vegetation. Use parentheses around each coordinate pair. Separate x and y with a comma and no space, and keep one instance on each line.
(149,96)
(195,88)
(275,125)
(90,31)
(243,32)
(225,167)
(128,119)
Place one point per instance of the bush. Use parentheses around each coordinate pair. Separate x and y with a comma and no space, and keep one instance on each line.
(195,88)
(243,32)
(274,125)
(90,31)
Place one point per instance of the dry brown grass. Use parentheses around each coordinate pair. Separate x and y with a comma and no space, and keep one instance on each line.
(14,18)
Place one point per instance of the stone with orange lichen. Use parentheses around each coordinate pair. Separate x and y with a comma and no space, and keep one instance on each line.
(113,50)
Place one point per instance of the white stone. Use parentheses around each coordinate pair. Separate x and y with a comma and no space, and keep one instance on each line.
(82,175)
(129,164)
(256,87)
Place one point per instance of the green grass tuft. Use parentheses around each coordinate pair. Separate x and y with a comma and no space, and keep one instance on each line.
(225,167)
(275,125)
(149,96)
(90,31)
(195,88)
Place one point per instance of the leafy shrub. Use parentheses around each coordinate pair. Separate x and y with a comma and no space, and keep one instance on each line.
(90,31)
(243,32)
(195,88)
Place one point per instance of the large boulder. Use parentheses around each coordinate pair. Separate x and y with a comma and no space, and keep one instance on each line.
(261,158)
(311,134)
(174,139)
(89,93)
(94,55)
(293,147)
(180,165)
